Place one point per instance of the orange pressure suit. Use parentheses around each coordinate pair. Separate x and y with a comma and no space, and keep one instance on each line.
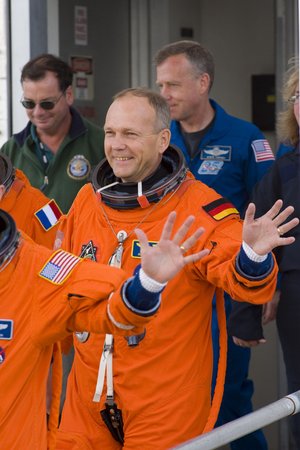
(36,311)
(163,384)
(22,201)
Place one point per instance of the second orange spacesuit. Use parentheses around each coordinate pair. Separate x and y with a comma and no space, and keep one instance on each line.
(44,296)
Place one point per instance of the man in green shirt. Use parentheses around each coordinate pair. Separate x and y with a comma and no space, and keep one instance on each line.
(58,147)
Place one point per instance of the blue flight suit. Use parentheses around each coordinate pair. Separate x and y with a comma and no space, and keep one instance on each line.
(284,148)
(232,156)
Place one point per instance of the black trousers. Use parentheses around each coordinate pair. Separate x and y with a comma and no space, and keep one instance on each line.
(288,324)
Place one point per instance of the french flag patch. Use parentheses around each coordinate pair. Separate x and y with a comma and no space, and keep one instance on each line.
(48,215)
(59,266)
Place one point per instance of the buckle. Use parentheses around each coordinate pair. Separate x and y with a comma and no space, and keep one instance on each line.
(112,417)
(134,339)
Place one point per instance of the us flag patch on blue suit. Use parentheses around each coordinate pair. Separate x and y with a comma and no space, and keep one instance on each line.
(48,215)
(58,268)
(262,150)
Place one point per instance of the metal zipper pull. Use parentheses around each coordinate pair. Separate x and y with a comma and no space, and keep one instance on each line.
(116,258)
(46,182)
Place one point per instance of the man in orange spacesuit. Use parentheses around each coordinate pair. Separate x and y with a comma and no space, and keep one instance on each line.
(33,212)
(46,295)
(159,383)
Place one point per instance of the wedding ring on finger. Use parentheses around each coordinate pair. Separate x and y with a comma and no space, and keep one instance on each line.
(183,249)
(280,232)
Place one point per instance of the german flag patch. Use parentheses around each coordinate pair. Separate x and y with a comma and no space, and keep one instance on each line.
(221,208)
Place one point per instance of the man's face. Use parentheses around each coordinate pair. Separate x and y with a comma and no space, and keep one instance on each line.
(183,90)
(47,121)
(133,147)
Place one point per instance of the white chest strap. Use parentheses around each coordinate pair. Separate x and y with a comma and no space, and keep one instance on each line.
(105,366)
(107,353)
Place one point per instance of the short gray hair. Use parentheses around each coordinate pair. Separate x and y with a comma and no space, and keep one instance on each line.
(155,100)
(200,58)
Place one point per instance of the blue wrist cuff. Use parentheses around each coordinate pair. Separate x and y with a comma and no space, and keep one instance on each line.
(252,268)
(138,298)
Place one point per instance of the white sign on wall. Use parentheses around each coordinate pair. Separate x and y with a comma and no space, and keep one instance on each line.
(83,80)
(81,25)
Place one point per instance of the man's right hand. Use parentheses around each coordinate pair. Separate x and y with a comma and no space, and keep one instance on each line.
(164,260)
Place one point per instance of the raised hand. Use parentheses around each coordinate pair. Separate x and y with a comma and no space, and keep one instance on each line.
(164,260)
(267,232)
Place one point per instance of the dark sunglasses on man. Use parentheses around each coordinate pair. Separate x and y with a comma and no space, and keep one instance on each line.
(44,104)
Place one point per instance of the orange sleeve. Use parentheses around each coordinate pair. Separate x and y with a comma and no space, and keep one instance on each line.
(80,304)
(219,267)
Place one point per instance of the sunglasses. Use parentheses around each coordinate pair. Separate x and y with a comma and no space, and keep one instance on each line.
(45,104)
(294,98)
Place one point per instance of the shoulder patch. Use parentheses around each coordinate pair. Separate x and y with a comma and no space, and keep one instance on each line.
(48,215)
(262,150)
(59,267)
(221,208)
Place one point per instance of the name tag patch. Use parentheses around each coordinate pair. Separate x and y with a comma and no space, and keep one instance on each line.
(136,248)
(6,329)
(216,152)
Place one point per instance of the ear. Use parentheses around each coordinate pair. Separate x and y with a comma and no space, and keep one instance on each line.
(2,191)
(204,83)
(164,139)
(69,95)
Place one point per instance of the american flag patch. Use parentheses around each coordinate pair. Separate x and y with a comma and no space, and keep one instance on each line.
(48,215)
(262,150)
(219,209)
(59,266)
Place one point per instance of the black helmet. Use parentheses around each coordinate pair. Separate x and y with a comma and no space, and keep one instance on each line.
(9,237)
(120,195)
(7,172)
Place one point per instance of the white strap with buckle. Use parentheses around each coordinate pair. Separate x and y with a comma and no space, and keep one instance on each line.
(105,366)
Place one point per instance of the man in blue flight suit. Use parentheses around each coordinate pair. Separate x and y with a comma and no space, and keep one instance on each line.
(230,155)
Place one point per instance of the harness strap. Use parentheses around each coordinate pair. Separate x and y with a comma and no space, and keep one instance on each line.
(105,366)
